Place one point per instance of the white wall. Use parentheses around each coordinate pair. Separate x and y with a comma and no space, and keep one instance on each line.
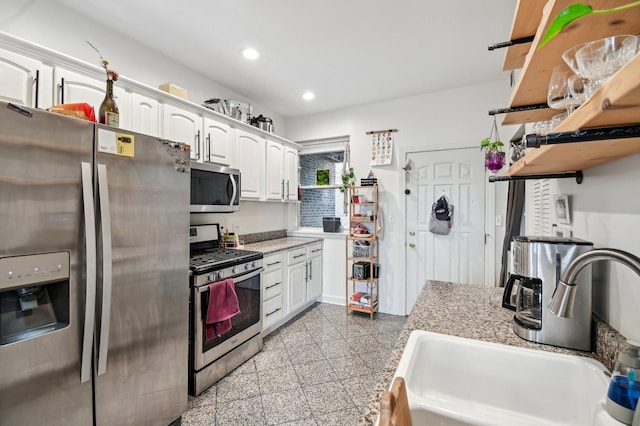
(253,217)
(51,25)
(605,210)
(456,117)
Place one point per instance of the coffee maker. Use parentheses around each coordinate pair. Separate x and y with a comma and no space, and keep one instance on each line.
(537,264)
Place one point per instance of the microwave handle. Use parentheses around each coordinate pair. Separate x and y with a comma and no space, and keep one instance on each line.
(235,190)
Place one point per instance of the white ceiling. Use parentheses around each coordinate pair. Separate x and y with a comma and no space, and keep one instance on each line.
(349,52)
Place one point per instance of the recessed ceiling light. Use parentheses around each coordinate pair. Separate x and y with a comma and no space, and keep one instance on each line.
(307,96)
(250,53)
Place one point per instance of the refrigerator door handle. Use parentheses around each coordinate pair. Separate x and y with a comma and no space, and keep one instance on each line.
(235,189)
(107,264)
(90,247)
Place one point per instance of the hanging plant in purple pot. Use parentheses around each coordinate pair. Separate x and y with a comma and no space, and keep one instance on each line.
(494,156)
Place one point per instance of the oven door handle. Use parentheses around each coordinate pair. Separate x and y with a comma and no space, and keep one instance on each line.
(204,288)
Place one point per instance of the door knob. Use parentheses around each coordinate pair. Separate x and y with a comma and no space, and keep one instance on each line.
(412,245)
(412,233)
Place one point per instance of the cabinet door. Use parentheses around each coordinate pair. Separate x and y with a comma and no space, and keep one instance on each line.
(314,272)
(18,82)
(145,114)
(296,285)
(250,158)
(183,126)
(218,142)
(291,162)
(74,87)
(275,171)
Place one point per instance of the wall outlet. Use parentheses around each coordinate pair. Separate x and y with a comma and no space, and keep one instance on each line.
(498,220)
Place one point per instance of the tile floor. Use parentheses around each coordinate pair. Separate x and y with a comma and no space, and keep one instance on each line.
(318,369)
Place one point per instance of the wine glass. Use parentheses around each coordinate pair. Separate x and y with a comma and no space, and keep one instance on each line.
(558,95)
(577,88)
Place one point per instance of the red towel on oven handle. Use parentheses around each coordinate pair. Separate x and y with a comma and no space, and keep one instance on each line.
(223,305)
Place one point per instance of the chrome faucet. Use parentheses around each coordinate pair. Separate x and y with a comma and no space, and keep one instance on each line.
(561,303)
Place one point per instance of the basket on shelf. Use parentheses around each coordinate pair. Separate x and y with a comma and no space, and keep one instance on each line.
(361,250)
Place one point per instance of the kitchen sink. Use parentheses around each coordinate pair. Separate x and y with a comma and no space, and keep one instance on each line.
(456,381)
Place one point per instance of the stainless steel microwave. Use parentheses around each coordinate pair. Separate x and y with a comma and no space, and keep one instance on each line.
(214,188)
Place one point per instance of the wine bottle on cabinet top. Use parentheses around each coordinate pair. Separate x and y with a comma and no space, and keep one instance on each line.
(109,112)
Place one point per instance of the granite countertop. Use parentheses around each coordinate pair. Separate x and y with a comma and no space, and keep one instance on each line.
(278,244)
(473,312)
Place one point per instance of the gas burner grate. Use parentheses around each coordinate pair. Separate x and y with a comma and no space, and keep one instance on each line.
(218,258)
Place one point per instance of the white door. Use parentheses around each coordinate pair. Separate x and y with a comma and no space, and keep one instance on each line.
(146,115)
(314,281)
(275,171)
(218,142)
(73,87)
(18,78)
(458,256)
(183,126)
(297,285)
(291,161)
(250,159)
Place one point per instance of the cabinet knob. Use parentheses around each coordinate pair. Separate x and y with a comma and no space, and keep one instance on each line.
(412,245)
(412,233)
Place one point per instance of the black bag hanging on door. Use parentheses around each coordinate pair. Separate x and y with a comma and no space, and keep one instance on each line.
(441,215)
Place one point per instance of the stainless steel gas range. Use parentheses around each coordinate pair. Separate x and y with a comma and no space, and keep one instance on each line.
(213,358)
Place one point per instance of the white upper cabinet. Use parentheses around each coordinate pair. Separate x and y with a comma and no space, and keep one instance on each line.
(35,77)
(282,172)
(145,114)
(250,159)
(218,143)
(275,171)
(291,162)
(19,83)
(74,87)
(183,126)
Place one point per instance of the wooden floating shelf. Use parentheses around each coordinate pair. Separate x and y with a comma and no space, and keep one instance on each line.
(531,87)
(525,23)
(614,104)
(573,156)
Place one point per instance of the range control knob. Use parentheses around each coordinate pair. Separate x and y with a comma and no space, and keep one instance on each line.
(220,275)
(234,270)
(253,264)
(246,266)
(211,277)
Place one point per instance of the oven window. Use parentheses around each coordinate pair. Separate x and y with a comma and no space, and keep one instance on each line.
(249,300)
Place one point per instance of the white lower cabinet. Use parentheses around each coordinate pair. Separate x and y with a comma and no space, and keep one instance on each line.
(297,277)
(291,282)
(273,293)
(314,272)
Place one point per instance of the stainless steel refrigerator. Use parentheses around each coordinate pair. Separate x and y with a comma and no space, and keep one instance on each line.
(93,273)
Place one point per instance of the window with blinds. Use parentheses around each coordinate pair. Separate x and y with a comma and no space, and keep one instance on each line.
(542,207)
